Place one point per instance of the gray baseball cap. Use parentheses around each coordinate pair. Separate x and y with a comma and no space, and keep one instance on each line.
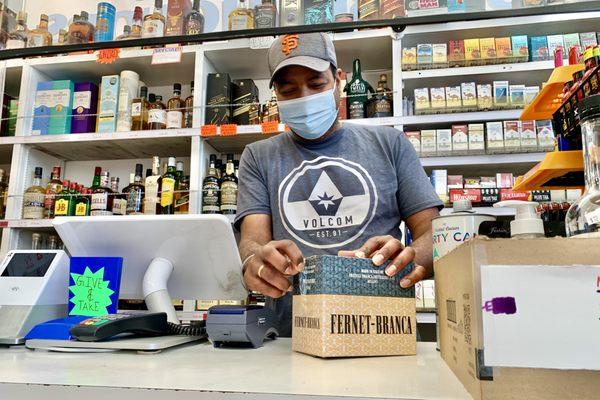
(310,50)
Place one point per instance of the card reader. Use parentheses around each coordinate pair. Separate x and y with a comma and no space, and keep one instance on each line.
(238,325)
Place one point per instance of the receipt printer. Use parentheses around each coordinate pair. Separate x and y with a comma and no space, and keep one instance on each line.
(239,325)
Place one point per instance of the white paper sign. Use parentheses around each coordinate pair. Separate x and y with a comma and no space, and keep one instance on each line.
(166,55)
(263,42)
(541,316)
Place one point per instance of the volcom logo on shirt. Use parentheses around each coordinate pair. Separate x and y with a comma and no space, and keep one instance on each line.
(327,202)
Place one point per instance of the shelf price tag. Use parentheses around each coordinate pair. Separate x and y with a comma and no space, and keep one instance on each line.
(263,42)
(229,130)
(270,127)
(107,56)
(3,223)
(208,130)
(166,55)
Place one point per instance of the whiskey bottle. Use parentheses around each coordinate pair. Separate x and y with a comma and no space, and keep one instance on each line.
(65,204)
(126,35)
(169,181)
(34,197)
(82,203)
(265,15)
(62,36)
(193,23)
(210,189)
(157,115)
(40,36)
(137,23)
(139,111)
(368,10)
(241,17)
(96,180)
(102,199)
(153,188)
(81,30)
(154,24)
(134,193)
(175,107)
(182,204)
(53,188)
(36,241)
(188,114)
(3,193)
(229,188)
(273,108)
(254,112)
(291,13)
(381,103)
(17,38)
(119,201)
(390,9)
(357,90)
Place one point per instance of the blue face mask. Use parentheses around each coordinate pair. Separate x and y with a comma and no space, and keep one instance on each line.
(310,117)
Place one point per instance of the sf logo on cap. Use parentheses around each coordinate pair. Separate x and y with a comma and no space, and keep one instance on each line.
(289,43)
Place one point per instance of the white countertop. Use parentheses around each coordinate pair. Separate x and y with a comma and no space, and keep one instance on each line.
(228,373)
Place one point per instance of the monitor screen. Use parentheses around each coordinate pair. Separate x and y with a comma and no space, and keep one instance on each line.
(29,264)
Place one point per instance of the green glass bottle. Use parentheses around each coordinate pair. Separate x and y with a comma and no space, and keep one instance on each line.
(357,90)
(169,182)
(65,201)
(82,202)
(96,181)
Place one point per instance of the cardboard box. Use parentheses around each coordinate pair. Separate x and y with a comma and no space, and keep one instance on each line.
(453,97)
(218,94)
(520,47)
(109,99)
(469,94)
(438,98)
(495,136)
(41,110)
(422,99)
(440,54)
(501,93)
(488,48)
(588,39)
(444,141)
(414,137)
(476,138)
(571,40)
(504,180)
(530,93)
(460,314)
(472,51)
(488,182)
(176,13)
(512,135)
(455,182)
(424,54)
(460,138)
(554,42)
(456,53)
(484,96)
(472,183)
(428,142)
(243,93)
(503,47)
(409,58)
(539,48)
(545,135)
(528,135)
(85,106)
(52,109)
(439,180)
(347,307)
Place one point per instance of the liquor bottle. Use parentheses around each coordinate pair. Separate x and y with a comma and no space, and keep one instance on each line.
(17,38)
(381,103)
(236,164)
(82,203)
(318,12)
(157,115)
(81,30)
(36,241)
(169,182)
(291,13)
(62,36)
(126,35)
(139,111)
(62,205)
(53,188)
(210,189)
(182,204)
(229,188)
(273,108)
(179,175)
(391,9)
(102,199)
(53,242)
(175,107)
(40,36)
(188,114)
(343,106)
(119,201)
(265,15)
(3,193)
(264,113)
(96,180)
(154,24)
(219,167)
(137,23)
(241,17)
(357,90)
(368,10)
(134,193)
(34,197)
(193,23)
(254,112)
(153,188)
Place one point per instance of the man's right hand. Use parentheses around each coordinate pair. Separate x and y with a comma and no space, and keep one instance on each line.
(268,271)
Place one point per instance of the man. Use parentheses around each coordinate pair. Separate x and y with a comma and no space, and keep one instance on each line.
(325,188)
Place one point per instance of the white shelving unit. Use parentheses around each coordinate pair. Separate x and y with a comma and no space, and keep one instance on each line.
(379,51)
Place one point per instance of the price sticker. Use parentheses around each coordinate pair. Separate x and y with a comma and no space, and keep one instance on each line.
(270,127)
(247,129)
(107,56)
(208,130)
(166,55)
(3,223)
(229,130)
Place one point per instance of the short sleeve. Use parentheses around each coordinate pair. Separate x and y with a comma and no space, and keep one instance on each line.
(415,191)
(253,193)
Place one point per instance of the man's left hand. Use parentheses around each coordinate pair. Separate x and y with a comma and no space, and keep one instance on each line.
(383,248)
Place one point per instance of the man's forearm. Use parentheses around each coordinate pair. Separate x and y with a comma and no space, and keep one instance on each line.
(423,246)
(247,247)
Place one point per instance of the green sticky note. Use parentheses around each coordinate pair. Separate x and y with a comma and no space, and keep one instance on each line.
(91,293)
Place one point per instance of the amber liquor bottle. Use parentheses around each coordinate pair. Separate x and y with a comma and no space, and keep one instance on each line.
(139,111)
(175,107)
(157,115)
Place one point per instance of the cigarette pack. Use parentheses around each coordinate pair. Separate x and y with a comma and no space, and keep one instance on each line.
(456,53)
(109,99)
(517,95)
(439,180)
(438,98)
(472,51)
(444,141)
(440,54)
(473,195)
(455,182)
(554,42)
(545,135)
(488,48)
(424,54)
(504,180)
(409,58)
(539,48)
(460,138)
(469,94)
(512,135)
(571,40)
(530,93)
(520,47)
(503,47)
(484,96)
(453,97)
(587,39)
(472,183)
(528,135)
(495,136)
(414,137)
(422,99)
(488,182)
(476,138)
(534,3)
(501,93)
(428,142)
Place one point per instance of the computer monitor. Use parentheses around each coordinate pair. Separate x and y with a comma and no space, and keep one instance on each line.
(164,256)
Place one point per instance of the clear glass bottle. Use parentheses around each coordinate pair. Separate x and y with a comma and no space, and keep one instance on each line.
(126,33)
(188,115)
(40,36)
(157,115)
(36,241)
(34,197)
(137,23)
(175,107)
(139,111)
(154,24)
(17,38)
(62,36)
(81,30)
(265,15)
(583,218)
(53,242)
(153,186)
(194,21)
(242,17)
(134,193)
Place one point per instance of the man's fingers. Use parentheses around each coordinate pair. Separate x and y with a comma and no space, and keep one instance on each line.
(347,253)
(418,274)
(366,250)
(389,250)
(273,256)
(402,260)
(259,285)
(273,277)
(293,254)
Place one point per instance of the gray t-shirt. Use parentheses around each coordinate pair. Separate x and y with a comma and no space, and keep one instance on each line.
(334,195)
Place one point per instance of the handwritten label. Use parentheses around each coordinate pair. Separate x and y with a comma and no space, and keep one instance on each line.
(229,130)
(91,294)
(263,42)
(166,55)
(270,127)
(107,56)
(208,130)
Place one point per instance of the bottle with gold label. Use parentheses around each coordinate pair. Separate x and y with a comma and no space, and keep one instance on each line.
(242,17)
(169,181)
(273,108)
(368,10)
(137,23)
(40,36)
(34,198)
(17,38)
(81,30)
(154,24)
(229,188)
(82,202)
(193,23)
(65,203)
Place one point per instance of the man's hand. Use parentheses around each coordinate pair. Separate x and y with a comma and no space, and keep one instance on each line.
(268,270)
(383,248)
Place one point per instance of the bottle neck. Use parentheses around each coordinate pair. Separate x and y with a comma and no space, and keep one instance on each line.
(104,181)
(37,181)
(230,168)
(96,181)
(43,25)
(356,72)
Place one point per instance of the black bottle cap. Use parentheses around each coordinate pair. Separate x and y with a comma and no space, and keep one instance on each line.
(229,157)
(148,172)
(38,171)
(143,91)
(192,84)
(139,168)
(152,98)
(177,87)
(589,107)
(213,157)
